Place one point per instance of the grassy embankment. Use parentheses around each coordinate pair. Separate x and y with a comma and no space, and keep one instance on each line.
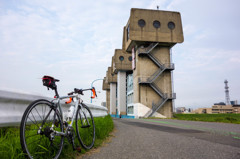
(10,147)
(223,118)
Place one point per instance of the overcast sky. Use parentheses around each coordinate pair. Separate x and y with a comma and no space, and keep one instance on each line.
(74,41)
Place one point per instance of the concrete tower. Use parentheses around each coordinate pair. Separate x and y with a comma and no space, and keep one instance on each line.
(148,36)
(121,64)
(106,87)
(111,79)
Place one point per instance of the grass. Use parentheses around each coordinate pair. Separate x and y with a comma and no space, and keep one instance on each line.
(223,118)
(10,147)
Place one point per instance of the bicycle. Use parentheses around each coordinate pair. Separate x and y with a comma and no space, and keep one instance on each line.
(44,126)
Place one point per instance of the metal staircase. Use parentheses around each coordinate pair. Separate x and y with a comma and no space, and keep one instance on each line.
(151,80)
(156,89)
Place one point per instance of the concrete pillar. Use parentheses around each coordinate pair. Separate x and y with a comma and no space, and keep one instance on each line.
(113,87)
(108,100)
(121,92)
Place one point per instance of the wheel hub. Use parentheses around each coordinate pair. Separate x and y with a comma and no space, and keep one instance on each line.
(47,132)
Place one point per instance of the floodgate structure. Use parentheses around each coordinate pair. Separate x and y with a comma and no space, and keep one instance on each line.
(139,81)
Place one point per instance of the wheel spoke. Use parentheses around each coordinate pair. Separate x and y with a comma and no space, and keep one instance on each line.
(39,145)
(86,135)
(33,121)
(34,117)
(38,113)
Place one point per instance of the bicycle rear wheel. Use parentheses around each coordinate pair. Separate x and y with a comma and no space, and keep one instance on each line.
(37,136)
(85,127)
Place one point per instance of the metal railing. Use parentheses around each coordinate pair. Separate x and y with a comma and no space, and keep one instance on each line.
(157,106)
(152,79)
(13,105)
(155,60)
(169,66)
(157,89)
(146,50)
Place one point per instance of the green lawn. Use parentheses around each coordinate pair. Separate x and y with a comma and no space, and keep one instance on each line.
(10,147)
(224,118)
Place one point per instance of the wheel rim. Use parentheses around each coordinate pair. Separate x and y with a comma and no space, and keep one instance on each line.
(39,143)
(86,132)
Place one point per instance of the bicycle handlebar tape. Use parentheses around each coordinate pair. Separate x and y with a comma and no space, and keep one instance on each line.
(94,93)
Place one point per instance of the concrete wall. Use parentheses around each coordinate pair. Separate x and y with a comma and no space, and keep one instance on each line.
(149,33)
(145,68)
(111,76)
(125,64)
(105,85)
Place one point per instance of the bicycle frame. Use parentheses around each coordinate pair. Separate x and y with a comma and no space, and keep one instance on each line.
(58,106)
(47,119)
(78,102)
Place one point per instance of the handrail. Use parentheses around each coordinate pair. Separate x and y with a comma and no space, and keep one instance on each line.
(13,105)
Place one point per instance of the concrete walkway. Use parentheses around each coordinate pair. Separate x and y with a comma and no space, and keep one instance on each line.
(169,139)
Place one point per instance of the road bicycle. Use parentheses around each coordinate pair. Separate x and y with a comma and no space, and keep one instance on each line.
(44,125)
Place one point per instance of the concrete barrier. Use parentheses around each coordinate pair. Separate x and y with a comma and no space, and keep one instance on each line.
(13,105)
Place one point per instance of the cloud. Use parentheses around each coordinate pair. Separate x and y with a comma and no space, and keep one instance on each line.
(75,40)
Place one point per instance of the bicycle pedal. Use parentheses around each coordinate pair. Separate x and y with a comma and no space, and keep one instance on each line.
(78,148)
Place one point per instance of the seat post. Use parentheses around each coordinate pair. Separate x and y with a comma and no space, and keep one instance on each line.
(56,92)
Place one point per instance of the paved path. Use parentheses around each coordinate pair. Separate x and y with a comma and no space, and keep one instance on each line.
(171,139)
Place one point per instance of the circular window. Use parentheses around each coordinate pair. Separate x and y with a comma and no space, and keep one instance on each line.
(130,58)
(156,24)
(171,25)
(141,23)
(121,58)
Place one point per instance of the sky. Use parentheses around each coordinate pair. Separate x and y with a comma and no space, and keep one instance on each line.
(74,41)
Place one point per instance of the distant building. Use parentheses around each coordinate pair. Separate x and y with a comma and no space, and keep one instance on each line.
(220,103)
(183,110)
(236,109)
(203,111)
(180,109)
(234,102)
(190,110)
(218,109)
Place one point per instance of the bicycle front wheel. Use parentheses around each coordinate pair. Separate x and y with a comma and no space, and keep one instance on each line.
(85,127)
(37,130)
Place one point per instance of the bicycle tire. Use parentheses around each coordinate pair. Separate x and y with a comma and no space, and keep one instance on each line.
(35,141)
(85,127)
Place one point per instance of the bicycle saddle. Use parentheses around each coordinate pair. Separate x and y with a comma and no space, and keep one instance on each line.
(49,82)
